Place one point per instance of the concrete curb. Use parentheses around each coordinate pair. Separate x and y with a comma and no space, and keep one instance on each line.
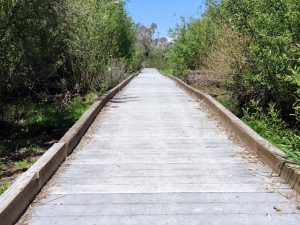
(273,156)
(75,133)
(15,200)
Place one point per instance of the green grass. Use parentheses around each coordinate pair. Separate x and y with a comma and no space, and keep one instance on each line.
(34,127)
(23,164)
(167,71)
(45,117)
(79,106)
(270,126)
(266,123)
(3,187)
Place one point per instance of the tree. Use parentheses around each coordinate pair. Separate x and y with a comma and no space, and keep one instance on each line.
(145,38)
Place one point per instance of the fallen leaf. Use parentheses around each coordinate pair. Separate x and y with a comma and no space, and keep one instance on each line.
(276,209)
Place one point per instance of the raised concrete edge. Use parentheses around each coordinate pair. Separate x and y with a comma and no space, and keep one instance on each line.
(75,133)
(15,200)
(273,156)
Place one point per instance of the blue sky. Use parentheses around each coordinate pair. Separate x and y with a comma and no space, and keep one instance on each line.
(165,13)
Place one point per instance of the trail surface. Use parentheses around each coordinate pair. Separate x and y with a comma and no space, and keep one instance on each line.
(155,156)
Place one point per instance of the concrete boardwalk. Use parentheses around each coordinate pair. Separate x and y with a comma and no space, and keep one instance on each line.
(154,156)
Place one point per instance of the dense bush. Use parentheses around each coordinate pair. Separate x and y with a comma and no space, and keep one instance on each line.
(46,44)
(55,47)
(270,125)
(158,59)
(101,32)
(33,43)
(194,42)
(273,66)
(256,42)
(206,44)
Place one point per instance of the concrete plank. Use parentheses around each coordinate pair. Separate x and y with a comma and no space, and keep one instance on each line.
(196,197)
(154,173)
(208,168)
(163,188)
(232,219)
(163,209)
(158,180)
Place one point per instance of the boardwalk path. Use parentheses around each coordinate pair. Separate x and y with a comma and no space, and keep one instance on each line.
(155,156)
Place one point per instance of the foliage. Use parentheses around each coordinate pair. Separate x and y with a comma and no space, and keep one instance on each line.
(41,123)
(271,73)
(101,32)
(158,59)
(135,62)
(3,187)
(54,46)
(53,50)
(35,118)
(206,44)
(145,38)
(153,50)
(193,42)
(270,126)
(256,43)
(32,44)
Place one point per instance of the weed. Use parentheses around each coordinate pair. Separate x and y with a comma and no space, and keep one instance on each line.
(167,71)
(42,123)
(3,187)
(270,126)
(24,164)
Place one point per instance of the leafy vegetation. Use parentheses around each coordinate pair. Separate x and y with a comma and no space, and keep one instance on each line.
(158,59)
(41,124)
(256,46)
(272,71)
(56,58)
(270,126)
(3,187)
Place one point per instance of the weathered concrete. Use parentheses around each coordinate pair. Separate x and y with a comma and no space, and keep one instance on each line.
(155,156)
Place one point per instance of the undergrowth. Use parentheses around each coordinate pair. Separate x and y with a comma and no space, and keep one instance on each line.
(269,125)
(34,127)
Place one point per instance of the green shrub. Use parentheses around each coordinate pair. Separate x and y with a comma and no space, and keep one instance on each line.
(158,59)
(50,46)
(270,126)
(194,40)
(101,32)
(32,44)
(256,42)
(4,187)
(272,69)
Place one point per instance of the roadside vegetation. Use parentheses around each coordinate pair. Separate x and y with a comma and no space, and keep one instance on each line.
(246,53)
(56,58)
